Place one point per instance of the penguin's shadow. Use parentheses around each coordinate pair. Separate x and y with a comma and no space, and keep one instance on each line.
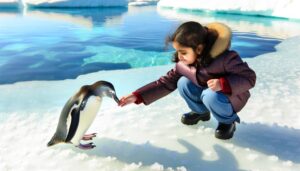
(149,154)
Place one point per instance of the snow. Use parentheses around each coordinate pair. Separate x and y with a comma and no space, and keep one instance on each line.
(138,137)
(274,8)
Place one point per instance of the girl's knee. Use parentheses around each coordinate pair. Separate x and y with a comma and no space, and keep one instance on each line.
(183,83)
(187,88)
(209,96)
(217,101)
(212,97)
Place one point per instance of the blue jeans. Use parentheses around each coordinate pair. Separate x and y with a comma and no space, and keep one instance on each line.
(203,99)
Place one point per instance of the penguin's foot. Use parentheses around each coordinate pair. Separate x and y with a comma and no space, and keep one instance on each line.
(86,146)
(89,136)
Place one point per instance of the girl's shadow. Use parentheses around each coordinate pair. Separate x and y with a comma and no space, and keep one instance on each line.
(273,140)
(148,154)
(282,142)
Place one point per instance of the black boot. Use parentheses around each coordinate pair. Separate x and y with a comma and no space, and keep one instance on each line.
(192,118)
(225,131)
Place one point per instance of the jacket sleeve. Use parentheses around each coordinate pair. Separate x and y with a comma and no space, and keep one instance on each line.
(187,71)
(240,76)
(159,88)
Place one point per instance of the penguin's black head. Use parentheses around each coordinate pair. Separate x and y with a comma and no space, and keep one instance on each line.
(104,88)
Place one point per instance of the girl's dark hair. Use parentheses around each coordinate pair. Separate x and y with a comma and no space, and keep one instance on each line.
(192,34)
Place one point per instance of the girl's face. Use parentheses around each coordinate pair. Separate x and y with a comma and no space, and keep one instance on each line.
(186,54)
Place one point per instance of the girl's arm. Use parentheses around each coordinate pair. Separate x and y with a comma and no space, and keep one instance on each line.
(159,88)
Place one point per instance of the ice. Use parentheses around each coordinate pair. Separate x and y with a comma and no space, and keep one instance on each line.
(274,8)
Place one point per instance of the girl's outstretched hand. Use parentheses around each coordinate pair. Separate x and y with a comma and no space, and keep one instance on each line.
(214,84)
(131,98)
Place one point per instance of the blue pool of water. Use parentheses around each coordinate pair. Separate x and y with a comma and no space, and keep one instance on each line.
(57,44)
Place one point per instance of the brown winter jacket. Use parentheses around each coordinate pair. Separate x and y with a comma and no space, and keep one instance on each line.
(227,64)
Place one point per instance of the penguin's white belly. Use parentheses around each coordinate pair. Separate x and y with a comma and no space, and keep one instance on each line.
(86,118)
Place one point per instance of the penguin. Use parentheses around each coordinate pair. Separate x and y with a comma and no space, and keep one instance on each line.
(79,112)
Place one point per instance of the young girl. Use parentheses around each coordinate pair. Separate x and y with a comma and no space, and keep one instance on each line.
(210,77)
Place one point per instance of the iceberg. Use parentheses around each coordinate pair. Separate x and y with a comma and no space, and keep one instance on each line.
(142,2)
(272,8)
(263,26)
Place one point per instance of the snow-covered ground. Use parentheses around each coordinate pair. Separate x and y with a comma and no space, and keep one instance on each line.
(152,137)
(275,8)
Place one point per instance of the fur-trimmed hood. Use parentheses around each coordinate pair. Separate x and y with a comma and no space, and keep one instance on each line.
(224,38)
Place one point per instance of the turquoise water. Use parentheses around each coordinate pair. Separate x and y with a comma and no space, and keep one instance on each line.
(57,44)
